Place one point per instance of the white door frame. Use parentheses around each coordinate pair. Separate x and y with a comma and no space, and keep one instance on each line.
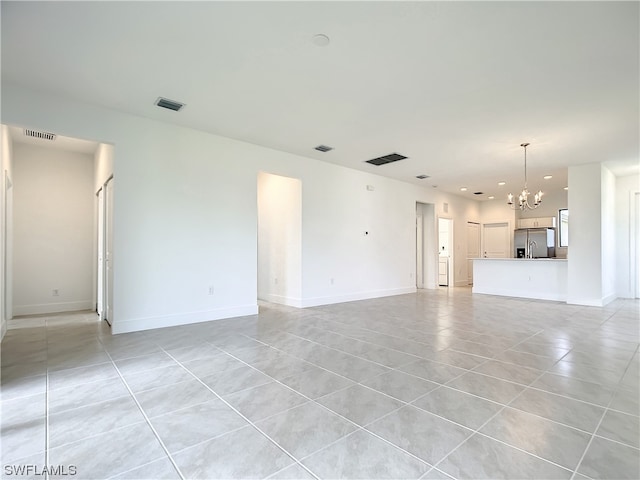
(450,246)
(104,274)
(479,249)
(419,250)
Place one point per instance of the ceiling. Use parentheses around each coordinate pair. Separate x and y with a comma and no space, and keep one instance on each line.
(454,86)
(60,142)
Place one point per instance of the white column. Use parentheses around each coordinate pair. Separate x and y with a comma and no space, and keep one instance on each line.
(591,257)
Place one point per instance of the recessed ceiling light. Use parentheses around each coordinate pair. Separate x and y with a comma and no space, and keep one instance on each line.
(502,183)
(491,197)
(463,189)
(321,40)
(566,188)
(547,177)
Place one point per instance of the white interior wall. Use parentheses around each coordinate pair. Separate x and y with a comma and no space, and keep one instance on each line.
(186,208)
(103,165)
(584,269)
(53,230)
(6,229)
(608,232)
(626,260)
(498,211)
(279,239)
(553,201)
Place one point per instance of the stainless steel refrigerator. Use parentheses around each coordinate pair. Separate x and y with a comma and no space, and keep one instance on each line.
(535,243)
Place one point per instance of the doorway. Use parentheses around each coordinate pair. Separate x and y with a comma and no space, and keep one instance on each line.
(445,251)
(279,239)
(473,248)
(426,246)
(497,240)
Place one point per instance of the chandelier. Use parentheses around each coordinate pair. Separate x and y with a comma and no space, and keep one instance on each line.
(523,198)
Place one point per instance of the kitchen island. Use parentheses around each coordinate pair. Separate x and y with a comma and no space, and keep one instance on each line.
(540,278)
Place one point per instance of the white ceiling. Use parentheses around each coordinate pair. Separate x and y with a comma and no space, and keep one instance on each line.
(60,142)
(454,86)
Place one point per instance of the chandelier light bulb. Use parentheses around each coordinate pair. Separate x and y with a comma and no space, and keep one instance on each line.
(523,198)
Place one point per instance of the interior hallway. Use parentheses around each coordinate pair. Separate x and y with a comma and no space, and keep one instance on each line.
(437,384)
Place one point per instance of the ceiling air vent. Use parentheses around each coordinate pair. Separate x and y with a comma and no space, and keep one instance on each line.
(323,148)
(422,177)
(169,104)
(392,157)
(40,135)
(478,193)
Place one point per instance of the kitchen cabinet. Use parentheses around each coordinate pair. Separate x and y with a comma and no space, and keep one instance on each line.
(548,222)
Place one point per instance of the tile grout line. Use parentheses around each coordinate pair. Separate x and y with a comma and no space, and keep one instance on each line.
(144,414)
(264,434)
(604,414)
(324,407)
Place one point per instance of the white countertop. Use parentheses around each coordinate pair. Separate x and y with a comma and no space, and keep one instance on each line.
(554,259)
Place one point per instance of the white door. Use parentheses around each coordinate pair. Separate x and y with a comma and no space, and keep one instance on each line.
(497,240)
(473,248)
(108,251)
(419,251)
(100,256)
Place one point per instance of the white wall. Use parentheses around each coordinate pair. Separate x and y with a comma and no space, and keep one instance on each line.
(590,268)
(608,235)
(103,165)
(498,211)
(185,217)
(553,201)
(625,227)
(279,239)
(6,228)
(53,230)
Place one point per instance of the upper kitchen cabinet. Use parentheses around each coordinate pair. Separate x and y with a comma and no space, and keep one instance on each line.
(547,222)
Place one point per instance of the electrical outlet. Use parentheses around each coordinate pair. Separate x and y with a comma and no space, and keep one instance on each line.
(210,289)
(275,280)
(55,292)
(332,281)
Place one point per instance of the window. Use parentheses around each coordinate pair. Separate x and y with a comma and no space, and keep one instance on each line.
(563,239)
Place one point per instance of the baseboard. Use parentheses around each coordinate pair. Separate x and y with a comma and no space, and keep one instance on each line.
(45,308)
(281,300)
(556,297)
(148,323)
(351,297)
(590,302)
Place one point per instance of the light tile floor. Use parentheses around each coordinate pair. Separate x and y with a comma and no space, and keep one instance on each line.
(438,384)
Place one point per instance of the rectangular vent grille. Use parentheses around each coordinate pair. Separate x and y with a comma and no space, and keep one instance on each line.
(422,177)
(169,104)
(392,157)
(40,135)
(478,193)
(324,148)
